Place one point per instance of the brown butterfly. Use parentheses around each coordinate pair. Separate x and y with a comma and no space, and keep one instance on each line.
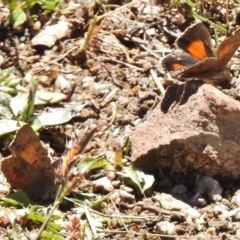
(198,59)
(29,168)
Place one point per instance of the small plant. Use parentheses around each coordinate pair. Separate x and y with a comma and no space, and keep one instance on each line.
(190,8)
(21,9)
(8,83)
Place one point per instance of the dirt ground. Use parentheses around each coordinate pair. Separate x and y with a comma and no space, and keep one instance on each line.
(110,82)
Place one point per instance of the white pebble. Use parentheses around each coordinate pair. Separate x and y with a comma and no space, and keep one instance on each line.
(165,227)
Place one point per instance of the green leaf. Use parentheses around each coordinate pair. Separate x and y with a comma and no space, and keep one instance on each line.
(40,218)
(20,197)
(48,235)
(147,180)
(9,126)
(51,5)
(46,98)
(127,150)
(85,164)
(57,117)
(31,3)
(28,110)
(99,164)
(36,124)
(132,174)
(89,164)
(13,83)
(18,17)
(12,202)
(98,203)
(4,74)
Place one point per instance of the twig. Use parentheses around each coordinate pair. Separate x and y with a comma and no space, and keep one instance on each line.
(117,10)
(123,63)
(146,217)
(65,54)
(90,221)
(6,233)
(115,45)
(119,216)
(115,81)
(227,13)
(130,12)
(109,97)
(157,81)
(150,51)
(146,234)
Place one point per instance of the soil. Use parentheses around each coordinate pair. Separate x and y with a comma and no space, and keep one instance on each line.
(110,85)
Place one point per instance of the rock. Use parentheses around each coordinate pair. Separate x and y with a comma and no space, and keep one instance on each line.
(220,211)
(126,196)
(196,126)
(102,185)
(63,84)
(170,203)
(211,230)
(2,60)
(236,198)
(50,34)
(165,227)
(235,214)
(190,212)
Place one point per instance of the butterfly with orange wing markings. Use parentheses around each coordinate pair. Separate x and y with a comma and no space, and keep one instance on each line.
(198,60)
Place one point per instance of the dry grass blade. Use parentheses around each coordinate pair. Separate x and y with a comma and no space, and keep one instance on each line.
(76,149)
(64,189)
(157,81)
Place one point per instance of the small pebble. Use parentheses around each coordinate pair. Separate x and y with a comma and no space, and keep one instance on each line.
(127,196)
(103,184)
(116,183)
(211,230)
(165,227)
(37,26)
(221,210)
(2,60)
(111,175)
(193,213)
(236,198)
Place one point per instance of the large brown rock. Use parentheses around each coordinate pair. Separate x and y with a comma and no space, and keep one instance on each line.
(195,127)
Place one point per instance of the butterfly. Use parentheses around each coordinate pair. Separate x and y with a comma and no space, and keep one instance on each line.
(30,169)
(197,59)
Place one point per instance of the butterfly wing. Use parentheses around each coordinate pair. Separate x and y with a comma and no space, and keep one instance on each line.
(178,60)
(204,69)
(27,146)
(196,40)
(29,167)
(227,49)
(22,175)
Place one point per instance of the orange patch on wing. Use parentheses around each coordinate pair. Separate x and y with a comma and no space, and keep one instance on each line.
(197,50)
(28,152)
(176,66)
